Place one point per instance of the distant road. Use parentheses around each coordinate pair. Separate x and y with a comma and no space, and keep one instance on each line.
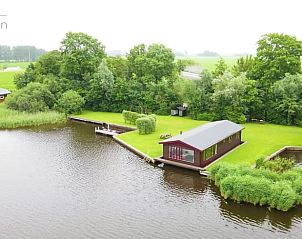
(190,75)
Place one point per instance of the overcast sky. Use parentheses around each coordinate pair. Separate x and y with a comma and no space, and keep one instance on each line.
(224,26)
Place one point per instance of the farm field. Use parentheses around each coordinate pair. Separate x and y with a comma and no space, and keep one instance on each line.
(209,62)
(261,139)
(23,65)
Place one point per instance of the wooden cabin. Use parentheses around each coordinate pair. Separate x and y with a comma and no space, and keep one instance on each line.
(200,146)
(3,94)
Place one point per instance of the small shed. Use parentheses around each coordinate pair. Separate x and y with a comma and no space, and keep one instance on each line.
(179,111)
(202,145)
(3,94)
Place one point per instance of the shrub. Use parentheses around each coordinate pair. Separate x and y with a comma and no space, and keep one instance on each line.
(297,186)
(260,162)
(279,165)
(34,97)
(259,186)
(283,197)
(131,117)
(147,124)
(70,103)
(205,116)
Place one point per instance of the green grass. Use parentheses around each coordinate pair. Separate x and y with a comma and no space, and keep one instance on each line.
(7,80)
(261,139)
(23,65)
(210,62)
(11,119)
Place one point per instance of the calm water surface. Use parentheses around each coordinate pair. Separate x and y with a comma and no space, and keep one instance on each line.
(69,183)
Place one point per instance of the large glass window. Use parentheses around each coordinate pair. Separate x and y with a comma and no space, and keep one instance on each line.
(178,153)
(210,152)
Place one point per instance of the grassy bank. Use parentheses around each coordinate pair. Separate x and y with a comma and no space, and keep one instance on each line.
(10,119)
(261,139)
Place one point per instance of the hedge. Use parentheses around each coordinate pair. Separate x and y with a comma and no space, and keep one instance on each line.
(131,117)
(259,186)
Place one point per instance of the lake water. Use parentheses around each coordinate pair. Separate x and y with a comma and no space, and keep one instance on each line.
(69,183)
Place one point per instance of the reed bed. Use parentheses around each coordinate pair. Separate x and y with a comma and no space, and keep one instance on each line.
(11,119)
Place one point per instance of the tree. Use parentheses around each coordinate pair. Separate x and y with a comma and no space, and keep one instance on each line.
(30,75)
(277,54)
(243,65)
(34,97)
(49,63)
(151,64)
(82,55)
(118,66)
(220,68)
(70,103)
(287,104)
(228,97)
(100,89)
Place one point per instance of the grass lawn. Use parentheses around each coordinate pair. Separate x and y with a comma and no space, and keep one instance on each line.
(261,139)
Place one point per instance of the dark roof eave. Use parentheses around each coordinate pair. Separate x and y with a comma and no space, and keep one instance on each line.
(200,149)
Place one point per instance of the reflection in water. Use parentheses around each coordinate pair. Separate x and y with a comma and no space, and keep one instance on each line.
(66,182)
(187,180)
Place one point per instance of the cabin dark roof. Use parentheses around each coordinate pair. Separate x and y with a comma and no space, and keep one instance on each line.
(181,108)
(4,91)
(207,135)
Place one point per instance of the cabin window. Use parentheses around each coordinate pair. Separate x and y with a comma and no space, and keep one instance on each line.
(238,135)
(178,153)
(210,152)
(188,155)
(230,139)
(1,97)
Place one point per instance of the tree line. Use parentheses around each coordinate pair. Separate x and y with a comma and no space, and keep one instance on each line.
(264,87)
(20,53)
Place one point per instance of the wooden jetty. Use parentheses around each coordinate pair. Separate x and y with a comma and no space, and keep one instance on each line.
(107,131)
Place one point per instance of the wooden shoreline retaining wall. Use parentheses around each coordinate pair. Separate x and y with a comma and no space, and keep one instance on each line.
(96,122)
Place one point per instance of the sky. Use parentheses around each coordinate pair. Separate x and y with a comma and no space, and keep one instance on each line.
(192,26)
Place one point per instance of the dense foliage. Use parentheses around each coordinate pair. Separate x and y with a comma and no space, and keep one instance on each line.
(259,186)
(70,103)
(266,87)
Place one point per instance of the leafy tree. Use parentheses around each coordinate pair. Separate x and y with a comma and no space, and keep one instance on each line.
(277,54)
(118,66)
(49,63)
(228,97)
(33,97)
(243,65)
(70,103)
(287,101)
(151,64)
(5,53)
(100,89)
(82,55)
(30,75)
(220,68)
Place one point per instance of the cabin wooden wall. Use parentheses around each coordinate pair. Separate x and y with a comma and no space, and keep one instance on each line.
(222,147)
